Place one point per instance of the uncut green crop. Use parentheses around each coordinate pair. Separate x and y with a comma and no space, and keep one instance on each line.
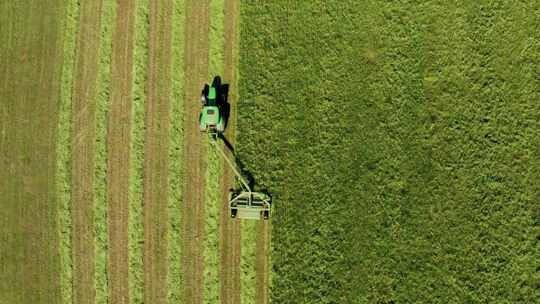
(399,141)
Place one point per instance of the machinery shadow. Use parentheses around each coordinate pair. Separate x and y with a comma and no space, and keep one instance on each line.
(222,92)
(241,167)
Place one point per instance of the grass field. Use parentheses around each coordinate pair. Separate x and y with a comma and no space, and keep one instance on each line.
(401,145)
(31,65)
(102,183)
(399,140)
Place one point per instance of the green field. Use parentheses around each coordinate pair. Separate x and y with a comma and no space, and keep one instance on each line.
(29,86)
(400,141)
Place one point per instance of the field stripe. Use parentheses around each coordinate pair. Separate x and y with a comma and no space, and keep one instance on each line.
(262,263)
(63,148)
(83,140)
(213,173)
(118,149)
(156,152)
(32,60)
(174,233)
(100,174)
(230,229)
(135,229)
(196,66)
(248,260)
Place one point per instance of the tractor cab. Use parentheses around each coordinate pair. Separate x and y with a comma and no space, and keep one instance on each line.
(211,118)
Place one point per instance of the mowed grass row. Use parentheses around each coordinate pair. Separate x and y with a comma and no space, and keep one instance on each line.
(136,229)
(100,179)
(63,160)
(174,272)
(64,152)
(213,174)
(63,148)
(248,252)
(400,147)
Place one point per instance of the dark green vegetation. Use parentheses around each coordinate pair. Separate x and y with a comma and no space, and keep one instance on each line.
(401,142)
(30,69)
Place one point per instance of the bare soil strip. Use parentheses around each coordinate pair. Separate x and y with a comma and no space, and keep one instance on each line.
(156,152)
(196,71)
(83,141)
(118,148)
(261,266)
(230,229)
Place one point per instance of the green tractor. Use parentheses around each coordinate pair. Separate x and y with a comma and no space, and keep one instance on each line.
(211,119)
(243,203)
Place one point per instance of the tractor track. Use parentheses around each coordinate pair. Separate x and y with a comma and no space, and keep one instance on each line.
(118,148)
(155,170)
(83,151)
(195,154)
(230,229)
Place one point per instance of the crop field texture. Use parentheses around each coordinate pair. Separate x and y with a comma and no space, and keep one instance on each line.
(31,69)
(109,193)
(400,140)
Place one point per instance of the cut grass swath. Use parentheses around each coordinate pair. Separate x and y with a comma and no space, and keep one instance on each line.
(100,184)
(248,251)
(136,232)
(175,157)
(63,151)
(212,197)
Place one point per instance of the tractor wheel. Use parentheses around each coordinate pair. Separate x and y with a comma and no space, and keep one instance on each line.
(233,213)
(266,215)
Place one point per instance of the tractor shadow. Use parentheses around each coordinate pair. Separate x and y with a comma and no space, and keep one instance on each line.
(241,167)
(222,92)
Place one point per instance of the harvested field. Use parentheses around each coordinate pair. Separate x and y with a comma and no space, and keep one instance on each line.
(176,147)
(196,66)
(262,263)
(118,148)
(83,151)
(398,140)
(212,199)
(32,50)
(156,152)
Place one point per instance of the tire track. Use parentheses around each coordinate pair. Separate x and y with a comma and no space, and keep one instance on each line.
(196,70)
(230,229)
(118,147)
(156,152)
(83,153)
